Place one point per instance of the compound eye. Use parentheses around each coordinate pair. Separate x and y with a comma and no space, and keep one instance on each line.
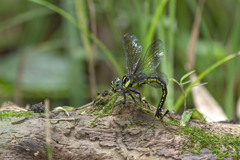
(118,83)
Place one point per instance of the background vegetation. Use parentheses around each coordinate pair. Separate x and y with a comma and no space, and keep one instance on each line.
(67,50)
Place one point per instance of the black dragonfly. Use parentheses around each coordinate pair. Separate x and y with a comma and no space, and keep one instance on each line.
(142,71)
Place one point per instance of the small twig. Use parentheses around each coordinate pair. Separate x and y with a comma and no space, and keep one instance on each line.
(86,105)
(60,119)
(48,131)
(19,121)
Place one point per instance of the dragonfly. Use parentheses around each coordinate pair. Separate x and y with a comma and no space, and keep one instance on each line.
(141,70)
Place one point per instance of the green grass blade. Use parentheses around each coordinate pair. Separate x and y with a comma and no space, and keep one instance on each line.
(77,68)
(170,52)
(233,68)
(26,16)
(105,50)
(153,25)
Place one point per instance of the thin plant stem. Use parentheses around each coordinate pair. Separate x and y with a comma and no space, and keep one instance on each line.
(91,65)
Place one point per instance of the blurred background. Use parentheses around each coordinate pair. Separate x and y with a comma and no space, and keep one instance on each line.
(68,50)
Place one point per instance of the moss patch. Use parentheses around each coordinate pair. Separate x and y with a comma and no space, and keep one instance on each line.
(7,114)
(104,105)
(221,144)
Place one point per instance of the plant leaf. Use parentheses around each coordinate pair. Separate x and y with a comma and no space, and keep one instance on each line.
(174,80)
(183,83)
(197,115)
(186,75)
(186,116)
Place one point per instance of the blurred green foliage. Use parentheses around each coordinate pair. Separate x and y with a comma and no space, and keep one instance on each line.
(47,37)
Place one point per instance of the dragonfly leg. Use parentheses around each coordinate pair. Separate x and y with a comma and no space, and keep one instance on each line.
(139,94)
(124,95)
(134,103)
(121,102)
(165,113)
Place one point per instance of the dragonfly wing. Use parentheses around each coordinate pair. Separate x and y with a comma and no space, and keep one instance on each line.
(132,49)
(152,58)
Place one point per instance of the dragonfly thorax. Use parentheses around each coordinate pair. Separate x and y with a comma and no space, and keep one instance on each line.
(127,81)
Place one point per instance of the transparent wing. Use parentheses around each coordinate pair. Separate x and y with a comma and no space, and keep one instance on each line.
(152,58)
(132,49)
(158,75)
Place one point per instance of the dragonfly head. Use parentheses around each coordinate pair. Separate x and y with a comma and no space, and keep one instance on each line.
(116,84)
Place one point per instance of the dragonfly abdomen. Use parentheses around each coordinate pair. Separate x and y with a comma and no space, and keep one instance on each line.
(158,83)
(157,80)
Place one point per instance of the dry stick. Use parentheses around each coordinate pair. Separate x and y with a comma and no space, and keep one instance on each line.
(60,119)
(193,41)
(91,65)
(194,37)
(18,80)
(48,131)
(85,106)
(81,14)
